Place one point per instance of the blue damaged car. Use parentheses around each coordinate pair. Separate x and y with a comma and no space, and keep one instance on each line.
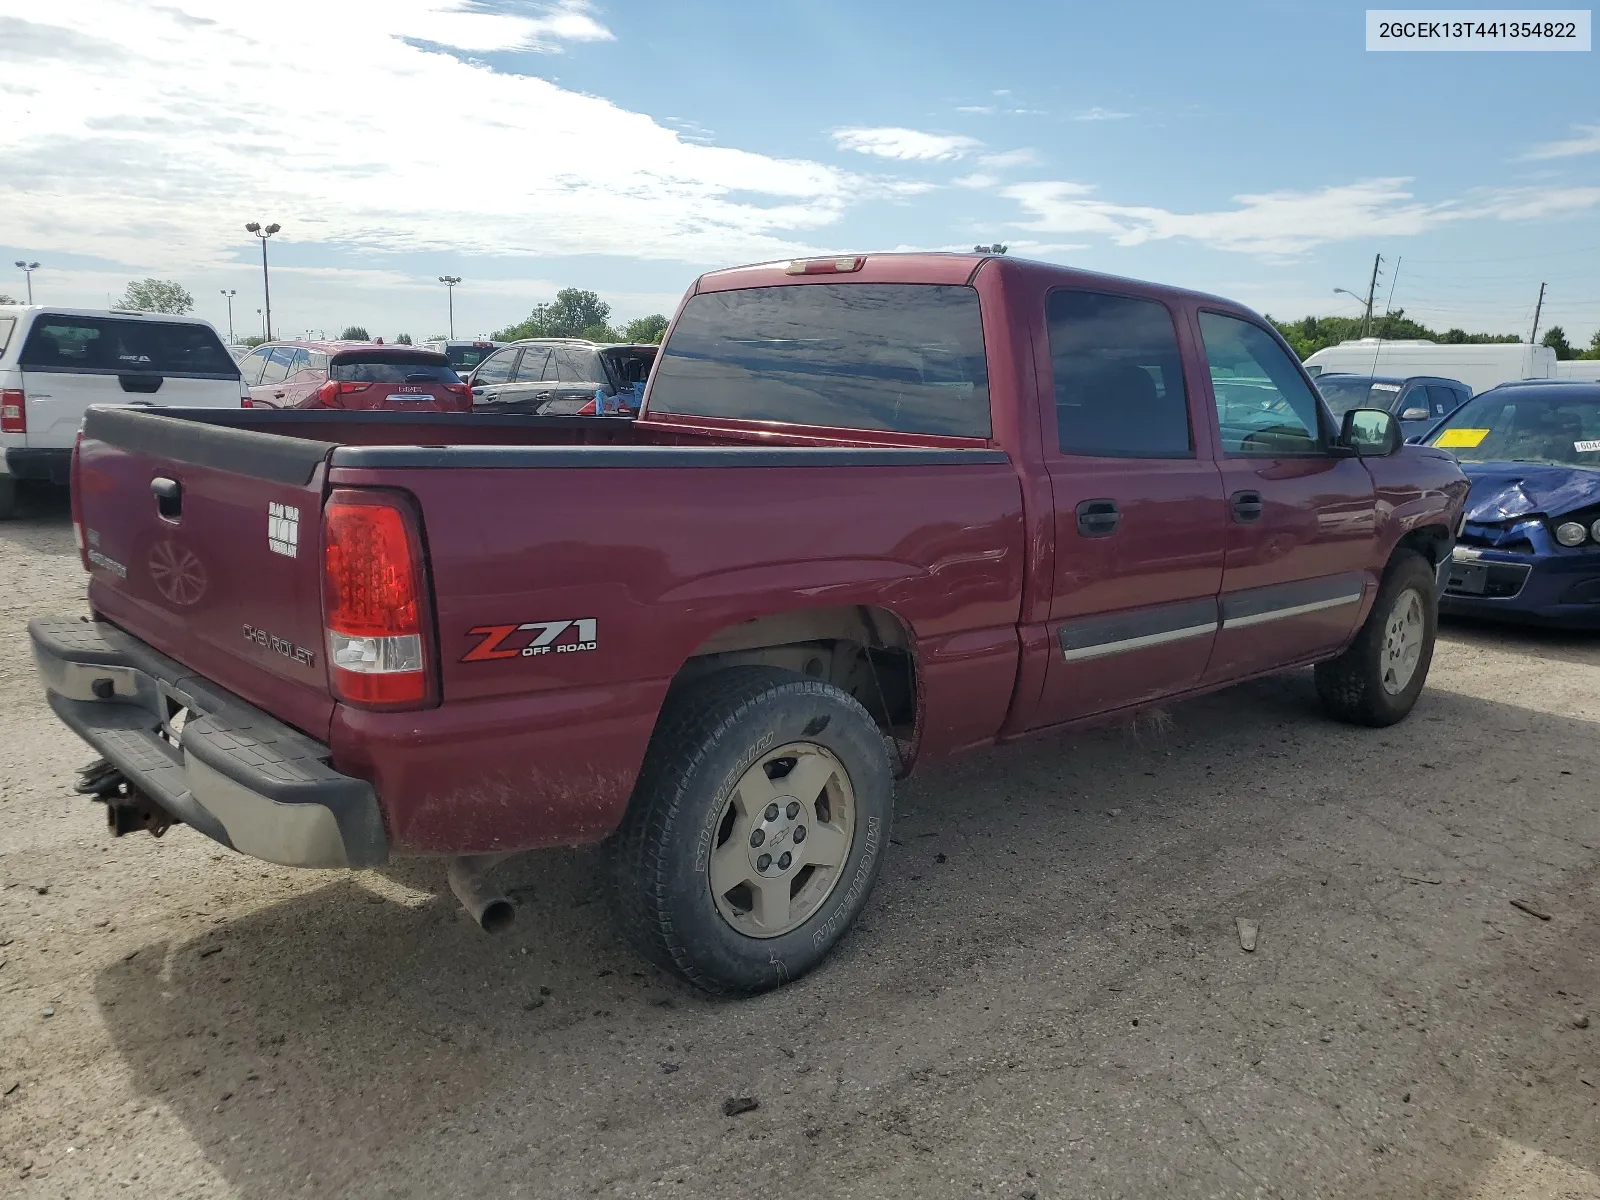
(1529,547)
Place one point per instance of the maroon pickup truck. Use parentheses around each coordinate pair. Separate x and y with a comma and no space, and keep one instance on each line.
(876,510)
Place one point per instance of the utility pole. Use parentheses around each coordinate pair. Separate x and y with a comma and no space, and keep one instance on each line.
(1537,309)
(1372,288)
(230,294)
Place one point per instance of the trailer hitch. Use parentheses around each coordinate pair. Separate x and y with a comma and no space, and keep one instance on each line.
(128,810)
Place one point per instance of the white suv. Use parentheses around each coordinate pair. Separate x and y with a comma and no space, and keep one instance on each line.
(56,362)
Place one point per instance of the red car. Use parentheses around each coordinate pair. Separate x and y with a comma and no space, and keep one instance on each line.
(294,374)
(877,509)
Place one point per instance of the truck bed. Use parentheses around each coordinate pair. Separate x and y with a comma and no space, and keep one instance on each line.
(660,540)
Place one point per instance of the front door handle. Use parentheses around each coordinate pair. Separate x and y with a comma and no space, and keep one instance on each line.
(1098,518)
(1246,507)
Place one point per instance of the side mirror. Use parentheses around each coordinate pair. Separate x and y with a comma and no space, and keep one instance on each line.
(1371,432)
(1414,414)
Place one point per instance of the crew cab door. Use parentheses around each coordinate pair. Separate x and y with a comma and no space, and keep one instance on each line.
(1301,513)
(1139,514)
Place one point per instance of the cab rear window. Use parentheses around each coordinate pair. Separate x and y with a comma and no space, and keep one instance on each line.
(124,347)
(888,356)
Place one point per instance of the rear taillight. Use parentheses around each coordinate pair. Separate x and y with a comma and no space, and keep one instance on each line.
(588,410)
(374,603)
(328,394)
(460,390)
(75,491)
(13,411)
(246,402)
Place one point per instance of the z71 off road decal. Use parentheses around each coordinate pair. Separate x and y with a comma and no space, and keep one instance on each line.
(549,637)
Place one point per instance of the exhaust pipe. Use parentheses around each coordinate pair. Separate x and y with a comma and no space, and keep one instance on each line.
(490,907)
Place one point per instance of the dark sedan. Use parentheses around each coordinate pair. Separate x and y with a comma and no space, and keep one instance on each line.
(1530,548)
(1420,401)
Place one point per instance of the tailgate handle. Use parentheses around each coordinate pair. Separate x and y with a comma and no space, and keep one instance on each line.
(169,496)
(145,384)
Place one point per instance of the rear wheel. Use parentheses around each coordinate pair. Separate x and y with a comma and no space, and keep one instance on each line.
(1378,679)
(756,830)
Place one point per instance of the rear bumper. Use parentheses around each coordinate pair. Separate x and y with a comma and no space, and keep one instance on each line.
(236,774)
(52,464)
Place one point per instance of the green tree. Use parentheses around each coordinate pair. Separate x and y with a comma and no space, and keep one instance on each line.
(251,341)
(403,340)
(1556,338)
(573,313)
(645,329)
(997,248)
(1310,334)
(1594,347)
(5,299)
(157,295)
(354,333)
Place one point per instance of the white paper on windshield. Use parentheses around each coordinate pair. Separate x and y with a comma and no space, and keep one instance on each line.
(1586,447)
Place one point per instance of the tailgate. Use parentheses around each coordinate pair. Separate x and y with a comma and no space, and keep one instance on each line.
(205,542)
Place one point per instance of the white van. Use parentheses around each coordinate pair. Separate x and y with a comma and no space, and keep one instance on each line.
(1579,368)
(56,362)
(1479,366)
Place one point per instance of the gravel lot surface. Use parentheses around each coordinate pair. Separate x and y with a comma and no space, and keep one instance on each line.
(1047,996)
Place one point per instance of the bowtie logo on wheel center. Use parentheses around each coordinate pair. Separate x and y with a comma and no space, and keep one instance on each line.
(776,837)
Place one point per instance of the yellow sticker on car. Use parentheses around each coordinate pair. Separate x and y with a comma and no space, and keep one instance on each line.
(1464,439)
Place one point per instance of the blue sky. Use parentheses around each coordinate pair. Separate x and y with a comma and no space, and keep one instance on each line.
(1254,149)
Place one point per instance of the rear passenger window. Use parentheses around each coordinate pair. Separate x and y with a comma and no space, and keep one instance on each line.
(1118,377)
(894,356)
(531,368)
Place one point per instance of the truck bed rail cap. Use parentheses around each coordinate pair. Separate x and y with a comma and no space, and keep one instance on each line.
(636,457)
(267,456)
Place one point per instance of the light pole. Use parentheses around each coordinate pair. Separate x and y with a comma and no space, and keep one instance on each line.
(28,269)
(450,282)
(263,325)
(230,294)
(266,288)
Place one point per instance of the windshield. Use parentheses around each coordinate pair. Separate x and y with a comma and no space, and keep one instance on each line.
(389,367)
(1558,430)
(1345,392)
(464,358)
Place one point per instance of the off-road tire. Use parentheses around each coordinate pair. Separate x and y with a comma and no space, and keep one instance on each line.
(1351,686)
(710,732)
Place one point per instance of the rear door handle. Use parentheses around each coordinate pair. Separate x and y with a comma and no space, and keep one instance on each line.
(1098,518)
(1246,507)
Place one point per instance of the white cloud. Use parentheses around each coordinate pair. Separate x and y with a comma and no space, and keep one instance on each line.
(1009,158)
(148,136)
(1586,141)
(1100,114)
(906,144)
(976,181)
(1287,223)
(982,109)
(1532,204)
(1273,223)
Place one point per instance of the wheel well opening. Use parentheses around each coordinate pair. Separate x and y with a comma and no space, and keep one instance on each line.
(862,650)
(1431,541)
